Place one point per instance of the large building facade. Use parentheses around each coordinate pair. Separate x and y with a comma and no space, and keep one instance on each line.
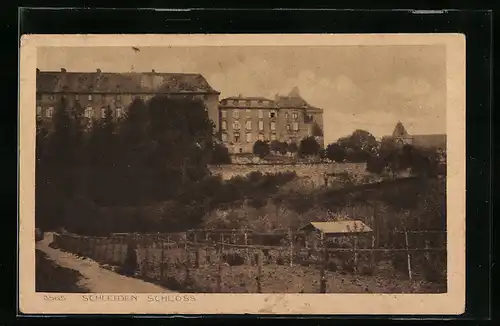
(244,120)
(240,121)
(96,91)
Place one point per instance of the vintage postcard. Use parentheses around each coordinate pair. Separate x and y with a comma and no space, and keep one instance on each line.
(242,174)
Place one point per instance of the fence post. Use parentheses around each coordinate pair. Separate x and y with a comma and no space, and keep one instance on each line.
(259,271)
(246,249)
(162,258)
(356,254)
(324,261)
(197,257)
(408,256)
(146,253)
(219,269)
(373,252)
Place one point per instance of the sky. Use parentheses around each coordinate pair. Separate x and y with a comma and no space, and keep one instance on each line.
(358,87)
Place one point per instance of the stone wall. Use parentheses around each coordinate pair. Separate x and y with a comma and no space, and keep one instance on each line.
(313,171)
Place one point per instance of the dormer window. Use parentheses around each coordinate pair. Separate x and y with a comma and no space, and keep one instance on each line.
(235,102)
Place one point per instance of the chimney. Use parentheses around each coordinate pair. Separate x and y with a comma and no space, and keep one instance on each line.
(63,70)
(98,70)
(153,71)
(37,70)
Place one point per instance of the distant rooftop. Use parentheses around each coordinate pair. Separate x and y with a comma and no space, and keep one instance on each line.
(129,82)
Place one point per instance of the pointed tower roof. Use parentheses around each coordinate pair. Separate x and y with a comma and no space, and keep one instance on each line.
(399,130)
(294,92)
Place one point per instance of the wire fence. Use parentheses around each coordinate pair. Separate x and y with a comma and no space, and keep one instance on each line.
(246,261)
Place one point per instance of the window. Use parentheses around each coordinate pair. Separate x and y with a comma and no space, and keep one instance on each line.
(77,97)
(248,112)
(236,125)
(223,102)
(288,127)
(88,112)
(295,126)
(286,115)
(261,114)
(51,97)
(295,115)
(224,125)
(38,110)
(235,102)
(273,136)
(103,112)
(224,137)
(261,125)
(273,125)
(224,113)
(261,137)
(240,150)
(118,97)
(90,97)
(119,112)
(236,114)
(248,124)
(272,114)
(103,97)
(236,137)
(49,112)
(249,137)
(248,102)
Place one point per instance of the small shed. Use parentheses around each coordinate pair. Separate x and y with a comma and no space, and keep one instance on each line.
(319,231)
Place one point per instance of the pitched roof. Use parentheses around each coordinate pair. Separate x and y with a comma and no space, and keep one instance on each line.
(99,82)
(353,226)
(399,131)
(428,141)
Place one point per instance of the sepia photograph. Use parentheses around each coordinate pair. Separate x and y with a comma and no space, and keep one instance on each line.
(165,171)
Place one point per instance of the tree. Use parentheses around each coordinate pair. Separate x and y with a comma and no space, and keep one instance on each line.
(278,147)
(283,148)
(261,148)
(359,146)
(309,146)
(293,148)
(220,154)
(335,152)
(316,130)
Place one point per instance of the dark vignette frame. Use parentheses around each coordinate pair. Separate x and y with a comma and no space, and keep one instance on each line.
(475,24)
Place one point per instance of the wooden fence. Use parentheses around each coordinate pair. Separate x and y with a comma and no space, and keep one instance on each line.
(156,254)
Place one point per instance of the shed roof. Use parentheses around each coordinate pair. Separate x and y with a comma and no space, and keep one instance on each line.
(353,226)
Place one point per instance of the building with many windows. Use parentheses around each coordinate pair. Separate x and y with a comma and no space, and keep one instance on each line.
(244,120)
(95,91)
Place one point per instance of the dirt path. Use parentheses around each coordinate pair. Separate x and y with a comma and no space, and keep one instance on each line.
(96,278)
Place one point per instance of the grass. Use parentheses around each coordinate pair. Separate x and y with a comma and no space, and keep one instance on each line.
(53,278)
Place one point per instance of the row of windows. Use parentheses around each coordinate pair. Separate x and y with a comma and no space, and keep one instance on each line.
(248,137)
(248,125)
(272,114)
(247,102)
(88,113)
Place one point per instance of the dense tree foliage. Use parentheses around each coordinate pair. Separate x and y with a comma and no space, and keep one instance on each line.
(261,148)
(152,154)
(309,147)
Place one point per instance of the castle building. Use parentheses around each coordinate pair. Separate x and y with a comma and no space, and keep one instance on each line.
(402,137)
(244,120)
(95,91)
